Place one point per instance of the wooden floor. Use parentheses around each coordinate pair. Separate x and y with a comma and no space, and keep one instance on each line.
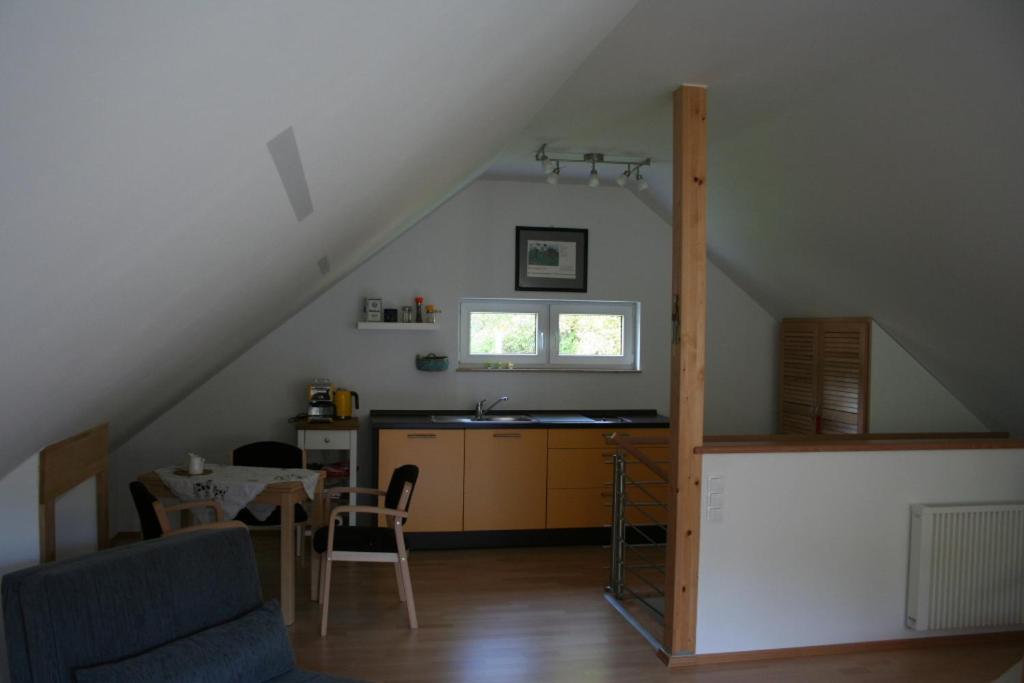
(538,615)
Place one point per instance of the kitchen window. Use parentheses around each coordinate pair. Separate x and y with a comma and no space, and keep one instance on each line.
(549,334)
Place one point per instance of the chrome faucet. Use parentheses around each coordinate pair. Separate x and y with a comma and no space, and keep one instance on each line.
(481,411)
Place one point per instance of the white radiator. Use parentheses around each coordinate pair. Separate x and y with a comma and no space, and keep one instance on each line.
(966,566)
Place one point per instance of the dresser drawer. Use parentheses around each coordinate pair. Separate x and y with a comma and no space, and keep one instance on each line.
(327,439)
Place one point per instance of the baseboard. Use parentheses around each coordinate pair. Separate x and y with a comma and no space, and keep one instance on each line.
(682,661)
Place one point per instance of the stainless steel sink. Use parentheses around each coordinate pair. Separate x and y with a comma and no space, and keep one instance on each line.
(496,419)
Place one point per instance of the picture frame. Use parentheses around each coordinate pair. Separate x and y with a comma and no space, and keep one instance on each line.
(551,259)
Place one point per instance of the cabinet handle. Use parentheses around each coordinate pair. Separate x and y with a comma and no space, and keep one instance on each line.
(506,435)
(327,439)
(421,436)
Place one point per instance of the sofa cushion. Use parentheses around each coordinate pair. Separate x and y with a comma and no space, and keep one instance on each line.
(249,649)
(118,603)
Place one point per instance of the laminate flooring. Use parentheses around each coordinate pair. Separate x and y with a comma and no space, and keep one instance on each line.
(538,614)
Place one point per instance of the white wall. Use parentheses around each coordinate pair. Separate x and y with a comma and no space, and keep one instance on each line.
(907,398)
(467,249)
(813,547)
(75,521)
(19,528)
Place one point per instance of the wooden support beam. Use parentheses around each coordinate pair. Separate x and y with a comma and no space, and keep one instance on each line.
(689,297)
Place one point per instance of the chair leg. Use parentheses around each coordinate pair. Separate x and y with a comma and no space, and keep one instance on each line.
(400,581)
(410,604)
(323,574)
(314,575)
(325,594)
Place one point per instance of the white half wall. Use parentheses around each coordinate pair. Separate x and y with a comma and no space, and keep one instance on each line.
(466,248)
(813,547)
(19,529)
(905,397)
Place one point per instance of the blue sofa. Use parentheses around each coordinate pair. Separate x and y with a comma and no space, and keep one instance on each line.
(182,608)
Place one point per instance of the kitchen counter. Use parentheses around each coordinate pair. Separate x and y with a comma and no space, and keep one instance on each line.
(541,419)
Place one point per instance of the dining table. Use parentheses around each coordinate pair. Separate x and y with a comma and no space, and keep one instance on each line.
(282,494)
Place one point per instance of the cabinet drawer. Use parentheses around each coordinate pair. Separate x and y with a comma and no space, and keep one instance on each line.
(437,499)
(579,468)
(326,439)
(574,508)
(595,438)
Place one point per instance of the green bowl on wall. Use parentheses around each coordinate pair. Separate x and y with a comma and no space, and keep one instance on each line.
(432,363)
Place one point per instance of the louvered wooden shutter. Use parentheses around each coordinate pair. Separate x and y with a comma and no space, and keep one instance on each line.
(844,376)
(798,377)
(824,376)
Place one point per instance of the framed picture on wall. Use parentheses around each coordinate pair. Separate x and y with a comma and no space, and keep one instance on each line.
(551,259)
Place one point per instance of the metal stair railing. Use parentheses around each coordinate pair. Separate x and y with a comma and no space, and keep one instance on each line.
(638,531)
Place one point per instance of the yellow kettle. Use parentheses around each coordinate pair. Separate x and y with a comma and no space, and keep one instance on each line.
(343,402)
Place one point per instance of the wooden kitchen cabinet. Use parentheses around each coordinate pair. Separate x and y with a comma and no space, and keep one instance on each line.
(823,377)
(505,482)
(437,502)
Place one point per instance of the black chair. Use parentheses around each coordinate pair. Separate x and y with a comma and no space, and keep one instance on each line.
(272,454)
(153,514)
(366,543)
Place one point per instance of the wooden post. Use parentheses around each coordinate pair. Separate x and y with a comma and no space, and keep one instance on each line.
(689,298)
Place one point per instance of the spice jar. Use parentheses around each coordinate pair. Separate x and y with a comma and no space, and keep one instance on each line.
(419,309)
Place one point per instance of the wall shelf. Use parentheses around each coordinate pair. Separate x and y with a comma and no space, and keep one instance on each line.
(402,327)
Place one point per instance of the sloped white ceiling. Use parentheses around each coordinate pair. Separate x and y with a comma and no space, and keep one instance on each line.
(865,158)
(145,236)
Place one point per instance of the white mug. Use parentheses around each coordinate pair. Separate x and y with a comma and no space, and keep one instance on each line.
(195,464)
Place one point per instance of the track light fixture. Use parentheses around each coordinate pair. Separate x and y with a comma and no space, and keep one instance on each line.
(552,167)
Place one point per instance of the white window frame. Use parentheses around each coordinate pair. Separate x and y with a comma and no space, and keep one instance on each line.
(547,357)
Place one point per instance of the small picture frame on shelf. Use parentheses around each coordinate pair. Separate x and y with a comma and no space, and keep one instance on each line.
(374,306)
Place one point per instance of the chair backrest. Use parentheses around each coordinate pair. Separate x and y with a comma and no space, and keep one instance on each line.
(268,454)
(399,478)
(148,519)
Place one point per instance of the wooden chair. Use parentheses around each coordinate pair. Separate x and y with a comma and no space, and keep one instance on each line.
(337,543)
(273,454)
(153,514)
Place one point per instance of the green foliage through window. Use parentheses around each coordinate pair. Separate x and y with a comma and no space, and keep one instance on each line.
(589,334)
(503,334)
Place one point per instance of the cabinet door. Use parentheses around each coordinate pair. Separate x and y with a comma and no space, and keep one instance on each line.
(506,475)
(798,377)
(437,498)
(844,376)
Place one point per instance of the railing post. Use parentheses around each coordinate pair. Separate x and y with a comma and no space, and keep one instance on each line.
(618,522)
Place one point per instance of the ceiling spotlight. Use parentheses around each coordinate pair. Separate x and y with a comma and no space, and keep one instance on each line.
(594,180)
(553,175)
(621,180)
(641,182)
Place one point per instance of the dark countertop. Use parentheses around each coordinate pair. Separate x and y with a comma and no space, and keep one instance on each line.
(543,419)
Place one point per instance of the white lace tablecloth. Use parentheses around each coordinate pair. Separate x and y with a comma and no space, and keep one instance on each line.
(234,487)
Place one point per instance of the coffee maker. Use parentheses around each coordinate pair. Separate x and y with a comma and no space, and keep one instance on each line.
(320,395)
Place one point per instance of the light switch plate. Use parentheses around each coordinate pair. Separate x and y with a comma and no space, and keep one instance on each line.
(714,514)
(716,484)
(715,500)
